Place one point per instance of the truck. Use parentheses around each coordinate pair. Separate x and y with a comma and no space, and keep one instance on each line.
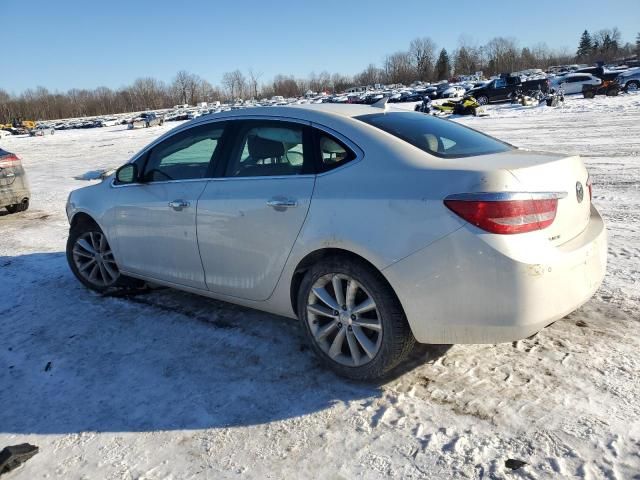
(504,88)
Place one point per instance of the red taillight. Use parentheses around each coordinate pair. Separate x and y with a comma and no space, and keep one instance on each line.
(10,160)
(506,216)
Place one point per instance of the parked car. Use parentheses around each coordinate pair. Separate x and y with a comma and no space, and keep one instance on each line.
(431,92)
(14,189)
(451,236)
(145,120)
(629,80)
(502,89)
(41,131)
(454,91)
(573,82)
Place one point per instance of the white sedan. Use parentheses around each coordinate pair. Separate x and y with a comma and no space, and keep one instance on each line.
(374,227)
(573,82)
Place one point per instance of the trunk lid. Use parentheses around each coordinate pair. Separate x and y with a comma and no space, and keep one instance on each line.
(544,172)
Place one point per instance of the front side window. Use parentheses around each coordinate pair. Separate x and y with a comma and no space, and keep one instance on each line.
(269,149)
(186,155)
(442,138)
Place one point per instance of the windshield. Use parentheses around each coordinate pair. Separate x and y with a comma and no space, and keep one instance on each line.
(442,138)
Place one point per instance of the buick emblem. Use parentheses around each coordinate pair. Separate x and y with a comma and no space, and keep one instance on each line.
(579,192)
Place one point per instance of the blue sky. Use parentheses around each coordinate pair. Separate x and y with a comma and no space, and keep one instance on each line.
(88,43)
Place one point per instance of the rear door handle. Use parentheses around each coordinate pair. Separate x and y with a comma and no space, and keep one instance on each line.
(280,203)
(179,204)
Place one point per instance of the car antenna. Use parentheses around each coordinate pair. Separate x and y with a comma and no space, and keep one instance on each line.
(382,103)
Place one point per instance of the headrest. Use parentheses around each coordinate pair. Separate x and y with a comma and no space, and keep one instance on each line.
(262,148)
(329,146)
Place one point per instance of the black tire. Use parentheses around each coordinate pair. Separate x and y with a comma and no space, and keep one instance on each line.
(18,207)
(482,100)
(589,94)
(121,283)
(632,86)
(397,340)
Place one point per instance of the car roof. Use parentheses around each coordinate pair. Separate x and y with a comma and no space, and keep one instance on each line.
(308,112)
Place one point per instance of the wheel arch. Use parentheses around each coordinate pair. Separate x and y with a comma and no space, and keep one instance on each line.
(317,255)
(83,218)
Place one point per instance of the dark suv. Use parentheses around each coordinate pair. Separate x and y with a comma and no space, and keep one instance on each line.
(502,89)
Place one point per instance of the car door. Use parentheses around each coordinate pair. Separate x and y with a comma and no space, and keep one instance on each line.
(573,84)
(249,219)
(155,219)
(500,90)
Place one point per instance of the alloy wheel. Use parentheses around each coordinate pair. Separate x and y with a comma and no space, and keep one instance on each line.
(94,259)
(344,320)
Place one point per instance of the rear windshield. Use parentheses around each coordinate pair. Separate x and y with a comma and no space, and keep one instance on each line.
(435,136)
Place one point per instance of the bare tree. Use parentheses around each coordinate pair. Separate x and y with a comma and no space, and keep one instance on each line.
(502,54)
(398,68)
(184,86)
(369,76)
(253,82)
(235,84)
(422,52)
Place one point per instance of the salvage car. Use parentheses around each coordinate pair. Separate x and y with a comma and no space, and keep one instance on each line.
(504,88)
(573,82)
(145,120)
(375,227)
(14,189)
(629,81)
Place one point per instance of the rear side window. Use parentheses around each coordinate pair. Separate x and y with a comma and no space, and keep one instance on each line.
(333,153)
(435,136)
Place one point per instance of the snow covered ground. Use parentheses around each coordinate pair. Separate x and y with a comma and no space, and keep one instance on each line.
(167,385)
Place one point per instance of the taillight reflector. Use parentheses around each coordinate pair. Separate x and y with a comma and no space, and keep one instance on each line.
(506,216)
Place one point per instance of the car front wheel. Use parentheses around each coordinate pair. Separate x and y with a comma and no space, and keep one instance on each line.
(91,259)
(482,100)
(353,320)
(633,86)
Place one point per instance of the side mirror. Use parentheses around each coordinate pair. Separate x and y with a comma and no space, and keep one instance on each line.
(127,174)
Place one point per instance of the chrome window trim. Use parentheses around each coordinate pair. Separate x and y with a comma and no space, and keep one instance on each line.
(278,118)
(162,182)
(263,177)
(506,196)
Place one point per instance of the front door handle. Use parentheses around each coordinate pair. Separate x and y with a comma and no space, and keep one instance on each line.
(281,203)
(179,204)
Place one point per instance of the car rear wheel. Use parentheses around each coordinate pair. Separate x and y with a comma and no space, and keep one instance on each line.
(91,259)
(352,319)
(482,100)
(18,207)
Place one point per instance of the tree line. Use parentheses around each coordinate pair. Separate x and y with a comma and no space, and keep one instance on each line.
(423,60)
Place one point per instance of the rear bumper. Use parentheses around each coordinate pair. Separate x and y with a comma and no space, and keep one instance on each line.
(12,195)
(464,289)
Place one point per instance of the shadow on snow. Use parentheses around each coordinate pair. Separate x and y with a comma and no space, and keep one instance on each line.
(72,360)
